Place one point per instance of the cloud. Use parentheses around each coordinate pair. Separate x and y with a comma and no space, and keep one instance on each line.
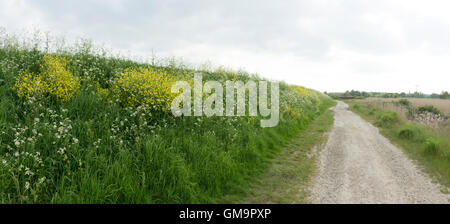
(19,14)
(331,45)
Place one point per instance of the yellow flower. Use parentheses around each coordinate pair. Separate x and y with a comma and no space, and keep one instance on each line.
(30,85)
(54,80)
(145,86)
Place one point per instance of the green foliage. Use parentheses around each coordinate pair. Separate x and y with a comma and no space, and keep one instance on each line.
(410,132)
(404,102)
(430,109)
(357,106)
(387,119)
(444,95)
(432,146)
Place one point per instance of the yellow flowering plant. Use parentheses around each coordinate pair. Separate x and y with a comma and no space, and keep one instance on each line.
(62,83)
(30,85)
(144,87)
(54,80)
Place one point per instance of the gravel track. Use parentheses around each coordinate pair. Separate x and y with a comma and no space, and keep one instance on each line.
(359,165)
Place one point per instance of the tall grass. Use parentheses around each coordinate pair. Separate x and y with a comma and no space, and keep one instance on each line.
(93,149)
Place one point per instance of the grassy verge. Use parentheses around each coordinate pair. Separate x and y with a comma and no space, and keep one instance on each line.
(289,176)
(422,143)
(78,125)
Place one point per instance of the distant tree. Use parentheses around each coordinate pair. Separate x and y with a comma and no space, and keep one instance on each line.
(444,95)
(434,95)
(418,95)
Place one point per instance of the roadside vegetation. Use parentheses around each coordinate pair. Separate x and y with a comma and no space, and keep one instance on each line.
(81,125)
(423,132)
(288,178)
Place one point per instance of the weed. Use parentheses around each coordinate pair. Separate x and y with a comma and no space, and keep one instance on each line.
(432,146)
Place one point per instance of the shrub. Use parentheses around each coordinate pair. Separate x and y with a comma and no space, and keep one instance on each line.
(62,84)
(387,119)
(404,102)
(432,146)
(430,109)
(148,87)
(54,80)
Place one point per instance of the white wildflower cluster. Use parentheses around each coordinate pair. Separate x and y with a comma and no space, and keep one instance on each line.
(91,69)
(23,162)
(135,123)
(97,143)
(8,64)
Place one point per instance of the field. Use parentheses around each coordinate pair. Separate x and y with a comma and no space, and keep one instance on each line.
(81,125)
(442,104)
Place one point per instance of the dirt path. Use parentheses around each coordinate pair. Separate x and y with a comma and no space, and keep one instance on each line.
(359,165)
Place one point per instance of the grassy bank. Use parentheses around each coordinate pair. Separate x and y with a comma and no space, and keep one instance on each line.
(77,126)
(427,145)
(287,180)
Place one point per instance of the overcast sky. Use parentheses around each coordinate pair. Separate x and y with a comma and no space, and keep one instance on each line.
(328,45)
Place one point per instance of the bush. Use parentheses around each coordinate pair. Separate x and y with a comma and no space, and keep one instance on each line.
(387,119)
(147,87)
(432,146)
(54,80)
(62,84)
(430,109)
(404,102)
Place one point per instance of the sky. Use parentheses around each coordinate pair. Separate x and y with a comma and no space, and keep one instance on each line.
(328,45)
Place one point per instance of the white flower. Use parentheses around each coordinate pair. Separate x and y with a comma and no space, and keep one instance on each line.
(27,185)
(28,172)
(41,180)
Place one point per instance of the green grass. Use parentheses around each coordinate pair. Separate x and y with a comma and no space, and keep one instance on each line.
(287,180)
(93,150)
(424,144)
